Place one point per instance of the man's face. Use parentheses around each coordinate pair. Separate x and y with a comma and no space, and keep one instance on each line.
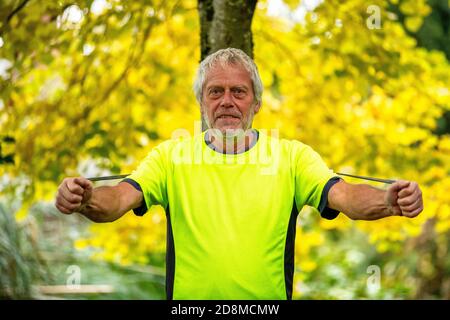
(228,100)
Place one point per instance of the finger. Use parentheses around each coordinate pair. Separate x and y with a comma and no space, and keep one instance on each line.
(412,207)
(61,201)
(62,209)
(414,213)
(66,204)
(405,193)
(405,201)
(396,211)
(413,186)
(83,182)
(74,187)
(69,196)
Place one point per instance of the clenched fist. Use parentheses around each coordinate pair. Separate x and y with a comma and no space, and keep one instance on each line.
(73,194)
(404,198)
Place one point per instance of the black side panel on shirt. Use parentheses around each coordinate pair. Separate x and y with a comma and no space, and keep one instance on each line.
(170,258)
(289,249)
(140,211)
(326,212)
(289,252)
(170,246)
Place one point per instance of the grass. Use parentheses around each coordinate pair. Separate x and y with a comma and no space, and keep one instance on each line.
(39,252)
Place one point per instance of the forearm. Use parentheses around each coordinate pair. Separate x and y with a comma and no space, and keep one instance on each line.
(360,202)
(104,205)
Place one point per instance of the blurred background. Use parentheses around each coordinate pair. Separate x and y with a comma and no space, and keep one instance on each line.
(89,87)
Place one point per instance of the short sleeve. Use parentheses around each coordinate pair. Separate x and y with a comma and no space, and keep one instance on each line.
(313,179)
(150,177)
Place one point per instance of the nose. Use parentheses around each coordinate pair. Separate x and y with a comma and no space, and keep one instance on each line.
(227,99)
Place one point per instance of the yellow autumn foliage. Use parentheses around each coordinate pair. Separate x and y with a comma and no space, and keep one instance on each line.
(368,100)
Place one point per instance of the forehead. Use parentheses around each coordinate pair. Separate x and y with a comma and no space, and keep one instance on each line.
(228,74)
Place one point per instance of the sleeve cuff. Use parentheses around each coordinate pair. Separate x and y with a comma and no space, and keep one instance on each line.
(326,212)
(139,211)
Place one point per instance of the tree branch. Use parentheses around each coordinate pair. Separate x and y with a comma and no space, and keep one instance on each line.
(16,10)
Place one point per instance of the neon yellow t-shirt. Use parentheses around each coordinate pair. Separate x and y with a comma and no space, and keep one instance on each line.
(231,217)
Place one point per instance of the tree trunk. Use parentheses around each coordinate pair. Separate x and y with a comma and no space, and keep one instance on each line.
(225,24)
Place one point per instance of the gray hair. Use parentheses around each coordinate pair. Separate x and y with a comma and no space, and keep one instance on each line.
(226,57)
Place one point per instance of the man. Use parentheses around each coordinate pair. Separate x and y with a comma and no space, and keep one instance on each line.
(232,193)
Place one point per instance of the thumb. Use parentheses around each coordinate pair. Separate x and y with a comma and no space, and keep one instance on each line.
(87,194)
(87,187)
(83,182)
(398,185)
(391,196)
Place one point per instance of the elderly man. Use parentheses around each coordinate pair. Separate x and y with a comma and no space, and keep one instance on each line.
(232,194)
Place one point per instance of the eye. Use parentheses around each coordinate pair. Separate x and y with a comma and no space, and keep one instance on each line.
(239,92)
(215,92)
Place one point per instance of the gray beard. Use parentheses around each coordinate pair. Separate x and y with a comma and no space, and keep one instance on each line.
(229,134)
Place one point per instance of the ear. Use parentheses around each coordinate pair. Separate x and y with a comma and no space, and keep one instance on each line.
(257,107)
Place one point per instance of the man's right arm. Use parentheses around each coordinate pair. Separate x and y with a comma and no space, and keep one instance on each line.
(102,204)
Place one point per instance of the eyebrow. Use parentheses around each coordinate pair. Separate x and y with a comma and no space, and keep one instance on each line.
(240,86)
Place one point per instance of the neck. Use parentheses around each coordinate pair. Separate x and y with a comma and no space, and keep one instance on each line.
(231,143)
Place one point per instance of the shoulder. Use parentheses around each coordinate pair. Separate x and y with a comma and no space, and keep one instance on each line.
(292,147)
(175,150)
(169,145)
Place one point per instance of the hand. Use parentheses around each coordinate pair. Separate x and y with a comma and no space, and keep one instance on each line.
(404,198)
(73,194)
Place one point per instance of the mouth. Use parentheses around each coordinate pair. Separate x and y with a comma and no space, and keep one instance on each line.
(227,116)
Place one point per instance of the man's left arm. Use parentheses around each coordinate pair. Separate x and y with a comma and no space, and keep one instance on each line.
(364,202)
